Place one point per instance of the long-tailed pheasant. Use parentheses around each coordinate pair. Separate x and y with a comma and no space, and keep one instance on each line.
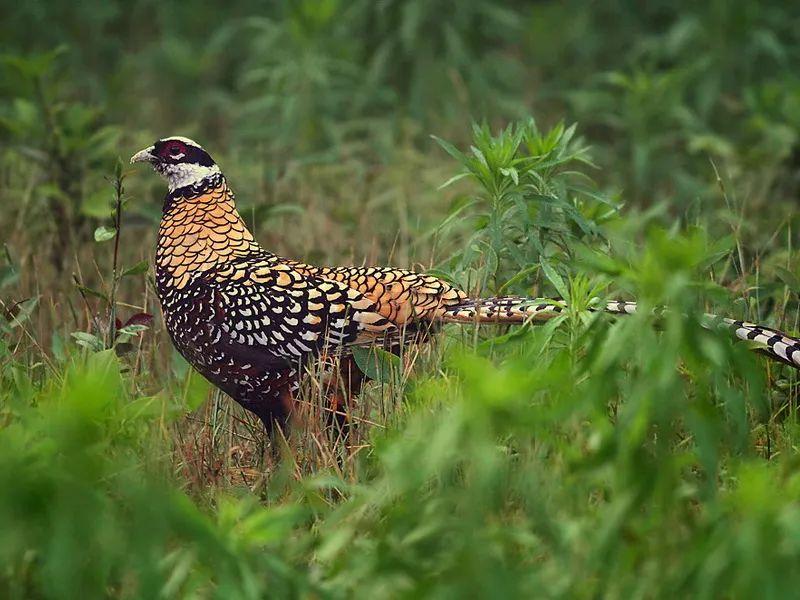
(249,320)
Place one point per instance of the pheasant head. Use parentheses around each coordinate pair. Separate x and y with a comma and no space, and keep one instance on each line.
(181,161)
(200,227)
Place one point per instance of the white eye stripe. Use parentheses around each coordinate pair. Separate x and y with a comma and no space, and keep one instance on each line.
(178,156)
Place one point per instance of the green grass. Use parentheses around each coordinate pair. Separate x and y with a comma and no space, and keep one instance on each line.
(588,457)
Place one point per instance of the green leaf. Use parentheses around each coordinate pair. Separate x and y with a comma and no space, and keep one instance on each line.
(87,340)
(511,172)
(520,276)
(453,179)
(8,275)
(789,278)
(132,329)
(90,292)
(22,311)
(554,278)
(376,363)
(443,275)
(137,269)
(103,234)
(546,329)
(197,388)
(97,205)
(450,149)
(118,170)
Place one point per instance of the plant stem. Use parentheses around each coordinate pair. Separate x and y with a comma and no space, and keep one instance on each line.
(112,321)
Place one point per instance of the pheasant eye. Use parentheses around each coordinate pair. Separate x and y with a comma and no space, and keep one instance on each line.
(175,150)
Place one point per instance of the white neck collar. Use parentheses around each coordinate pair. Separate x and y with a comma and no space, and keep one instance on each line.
(186,174)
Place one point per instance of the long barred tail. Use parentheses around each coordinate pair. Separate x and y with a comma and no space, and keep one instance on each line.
(503,309)
(776,344)
(517,309)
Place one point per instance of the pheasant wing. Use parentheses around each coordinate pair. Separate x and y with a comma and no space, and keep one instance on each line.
(289,315)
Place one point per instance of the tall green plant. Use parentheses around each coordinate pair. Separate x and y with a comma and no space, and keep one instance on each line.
(66,140)
(532,205)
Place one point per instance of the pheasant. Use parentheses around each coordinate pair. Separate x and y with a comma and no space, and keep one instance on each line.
(249,320)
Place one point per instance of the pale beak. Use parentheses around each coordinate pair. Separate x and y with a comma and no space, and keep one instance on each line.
(145,155)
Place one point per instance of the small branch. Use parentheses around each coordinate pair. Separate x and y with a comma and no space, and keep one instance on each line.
(118,193)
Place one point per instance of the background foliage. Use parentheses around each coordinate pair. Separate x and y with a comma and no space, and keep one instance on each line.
(643,457)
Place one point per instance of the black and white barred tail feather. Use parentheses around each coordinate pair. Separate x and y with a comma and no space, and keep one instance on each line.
(775,344)
(516,309)
(502,309)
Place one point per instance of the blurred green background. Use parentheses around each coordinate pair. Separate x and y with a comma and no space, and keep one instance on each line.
(647,457)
